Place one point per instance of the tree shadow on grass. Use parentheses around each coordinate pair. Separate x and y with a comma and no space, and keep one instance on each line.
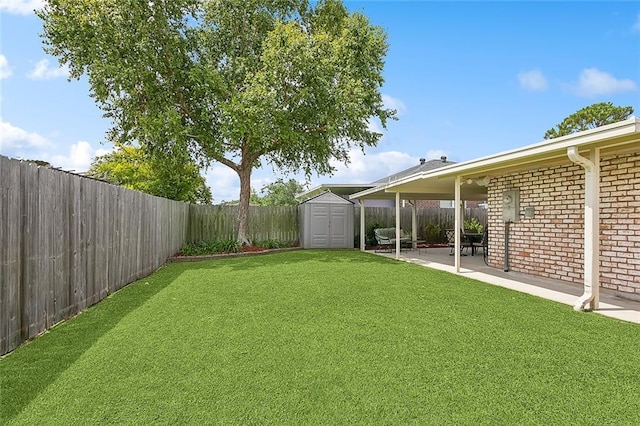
(32,367)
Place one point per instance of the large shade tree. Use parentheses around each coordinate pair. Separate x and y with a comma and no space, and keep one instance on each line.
(589,117)
(244,83)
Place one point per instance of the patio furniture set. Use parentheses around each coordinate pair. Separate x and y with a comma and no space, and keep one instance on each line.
(386,240)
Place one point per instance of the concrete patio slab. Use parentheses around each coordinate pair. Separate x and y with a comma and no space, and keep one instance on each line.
(611,304)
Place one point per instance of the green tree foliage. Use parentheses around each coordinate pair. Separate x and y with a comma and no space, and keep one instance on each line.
(240,82)
(590,117)
(170,178)
(281,193)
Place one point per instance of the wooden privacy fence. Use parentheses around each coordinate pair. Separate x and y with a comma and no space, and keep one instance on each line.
(265,223)
(282,223)
(68,241)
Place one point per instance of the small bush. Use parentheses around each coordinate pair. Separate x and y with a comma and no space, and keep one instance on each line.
(433,234)
(370,238)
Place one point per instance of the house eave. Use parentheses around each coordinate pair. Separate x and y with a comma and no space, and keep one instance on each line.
(617,137)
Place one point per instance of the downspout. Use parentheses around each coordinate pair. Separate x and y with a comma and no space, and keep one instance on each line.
(362,230)
(591,274)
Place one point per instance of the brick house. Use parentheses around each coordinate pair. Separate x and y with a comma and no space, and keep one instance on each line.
(570,206)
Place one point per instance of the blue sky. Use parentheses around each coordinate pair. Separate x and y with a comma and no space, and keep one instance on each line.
(468,79)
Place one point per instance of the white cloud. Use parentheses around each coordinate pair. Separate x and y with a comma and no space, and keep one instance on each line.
(533,80)
(370,167)
(5,69)
(79,158)
(593,82)
(224,183)
(12,137)
(19,143)
(394,103)
(636,25)
(21,7)
(42,71)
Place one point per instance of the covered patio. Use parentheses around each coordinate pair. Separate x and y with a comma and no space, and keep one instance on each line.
(544,204)
(474,267)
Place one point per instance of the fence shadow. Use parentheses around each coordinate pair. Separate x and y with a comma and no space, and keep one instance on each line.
(32,367)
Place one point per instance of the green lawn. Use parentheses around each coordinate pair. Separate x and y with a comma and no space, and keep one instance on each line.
(323,337)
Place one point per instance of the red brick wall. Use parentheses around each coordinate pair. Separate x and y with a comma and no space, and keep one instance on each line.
(551,244)
(428,204)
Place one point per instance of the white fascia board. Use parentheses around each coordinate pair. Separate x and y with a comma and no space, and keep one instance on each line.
(560,145)
(374,190)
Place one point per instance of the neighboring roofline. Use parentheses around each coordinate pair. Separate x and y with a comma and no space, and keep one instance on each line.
(328,186)
(557,147)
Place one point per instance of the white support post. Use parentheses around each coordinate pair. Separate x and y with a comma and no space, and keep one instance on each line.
(457,224)
(414,225)
(397,225)
(362,227)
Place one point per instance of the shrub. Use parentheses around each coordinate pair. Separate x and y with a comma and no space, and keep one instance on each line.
(433,234)
(473,225)
(370,238)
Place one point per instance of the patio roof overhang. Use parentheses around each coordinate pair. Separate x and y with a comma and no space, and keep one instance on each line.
(439,184)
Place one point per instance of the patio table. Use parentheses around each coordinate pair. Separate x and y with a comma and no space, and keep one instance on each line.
(474,238)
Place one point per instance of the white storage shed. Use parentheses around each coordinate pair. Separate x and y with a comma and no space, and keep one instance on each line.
(326,221)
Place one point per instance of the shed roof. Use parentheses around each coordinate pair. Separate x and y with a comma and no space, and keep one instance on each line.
(327,197)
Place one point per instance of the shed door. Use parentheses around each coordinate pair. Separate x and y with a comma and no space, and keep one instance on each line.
(320,229)
(338,227)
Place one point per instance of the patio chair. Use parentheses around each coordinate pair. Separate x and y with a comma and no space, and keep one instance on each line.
(386,237)
(451,240)
(482,244)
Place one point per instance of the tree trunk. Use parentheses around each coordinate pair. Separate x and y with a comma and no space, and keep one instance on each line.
(244,172)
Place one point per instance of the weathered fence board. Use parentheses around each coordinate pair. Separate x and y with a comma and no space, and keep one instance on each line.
(10,253)
(68,241)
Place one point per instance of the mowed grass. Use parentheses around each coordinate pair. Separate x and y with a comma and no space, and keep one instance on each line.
(324,337)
